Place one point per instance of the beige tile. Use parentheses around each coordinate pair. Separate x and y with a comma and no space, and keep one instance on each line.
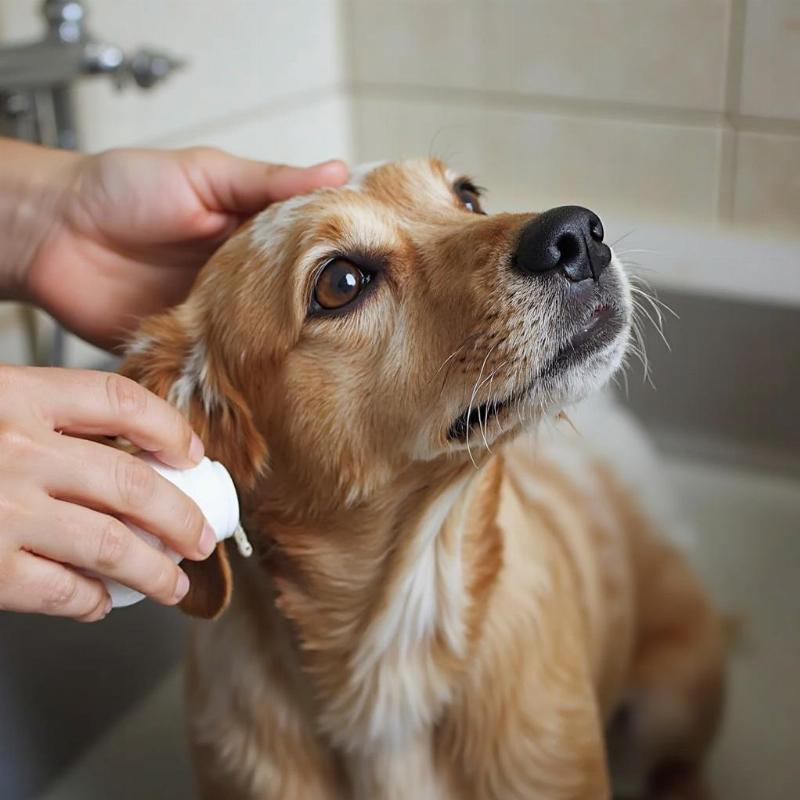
(767,188)
(771,59)
(19,21)
(670,54)
(300,135)
(535,160)
(241,54)
(665,54)
(418,42)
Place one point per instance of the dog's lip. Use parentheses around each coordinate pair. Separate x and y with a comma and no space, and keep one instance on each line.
(598,319)
(604,324)
(480,415)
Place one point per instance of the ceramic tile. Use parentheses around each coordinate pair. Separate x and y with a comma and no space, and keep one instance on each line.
(535,160)
(771,59)
(767,183)
(663,54)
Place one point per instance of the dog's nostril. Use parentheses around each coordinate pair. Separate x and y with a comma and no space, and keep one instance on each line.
(566,239)
(569,248)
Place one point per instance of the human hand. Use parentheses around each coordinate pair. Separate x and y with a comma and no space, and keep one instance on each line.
(62,496)
(132,228)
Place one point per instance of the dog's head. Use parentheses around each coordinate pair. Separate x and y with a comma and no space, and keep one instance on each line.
(364,330)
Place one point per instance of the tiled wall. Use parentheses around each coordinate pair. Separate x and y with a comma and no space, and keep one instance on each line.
(688,109)
(264,78)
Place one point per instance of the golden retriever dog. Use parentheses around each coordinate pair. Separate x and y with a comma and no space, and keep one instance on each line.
(436,609)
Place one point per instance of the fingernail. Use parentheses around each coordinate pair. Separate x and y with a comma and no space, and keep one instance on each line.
(181,587)
(208,541)
(330,162)
(196,449)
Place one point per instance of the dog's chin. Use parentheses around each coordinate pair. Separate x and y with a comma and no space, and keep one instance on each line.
(575,380)
(583,365)
(589,359)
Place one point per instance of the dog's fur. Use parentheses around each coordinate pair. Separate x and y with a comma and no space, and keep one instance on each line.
(427,616)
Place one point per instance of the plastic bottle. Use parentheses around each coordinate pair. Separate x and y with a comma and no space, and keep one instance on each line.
(210,486)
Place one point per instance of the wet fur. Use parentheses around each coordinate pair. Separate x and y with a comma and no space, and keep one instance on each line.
(424,618)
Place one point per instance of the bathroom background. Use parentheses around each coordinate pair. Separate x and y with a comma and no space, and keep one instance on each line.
(679,122)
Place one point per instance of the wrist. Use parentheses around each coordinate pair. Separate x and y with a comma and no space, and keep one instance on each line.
(34,184)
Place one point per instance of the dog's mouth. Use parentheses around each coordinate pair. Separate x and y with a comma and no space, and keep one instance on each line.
(603,326)
(482,415)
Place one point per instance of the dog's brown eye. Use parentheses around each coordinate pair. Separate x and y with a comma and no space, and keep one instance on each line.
(469,195)
(339,283)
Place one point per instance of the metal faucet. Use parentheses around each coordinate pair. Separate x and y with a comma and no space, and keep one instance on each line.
(35,91)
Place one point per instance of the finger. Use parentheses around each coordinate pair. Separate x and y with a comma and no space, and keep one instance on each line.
(87,402)
(80,537)
(240,186)
(115,482)
(39,586)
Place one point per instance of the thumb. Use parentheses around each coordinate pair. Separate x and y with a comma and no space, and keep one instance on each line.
(240,186)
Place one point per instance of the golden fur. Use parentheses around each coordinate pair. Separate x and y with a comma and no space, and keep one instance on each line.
(426,617)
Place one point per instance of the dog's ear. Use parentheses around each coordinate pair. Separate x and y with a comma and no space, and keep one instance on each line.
(170,358)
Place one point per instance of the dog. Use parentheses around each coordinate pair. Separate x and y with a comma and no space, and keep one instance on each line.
(438,608)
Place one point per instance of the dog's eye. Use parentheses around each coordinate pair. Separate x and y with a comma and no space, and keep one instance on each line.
(469,195)
(339,283)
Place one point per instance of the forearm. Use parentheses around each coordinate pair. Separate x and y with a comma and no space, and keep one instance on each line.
(33,181)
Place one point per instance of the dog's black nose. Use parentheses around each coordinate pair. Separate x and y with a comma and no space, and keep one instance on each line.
(568,238)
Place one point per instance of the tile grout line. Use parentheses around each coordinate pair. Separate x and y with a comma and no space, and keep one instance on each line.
(264,111)
(578,107)
(729,144)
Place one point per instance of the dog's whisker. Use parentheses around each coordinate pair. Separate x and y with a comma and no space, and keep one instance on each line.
(493,402)
(622,238)
(448,362)
(658,323)
(642,250)
(472,400)
(648,293)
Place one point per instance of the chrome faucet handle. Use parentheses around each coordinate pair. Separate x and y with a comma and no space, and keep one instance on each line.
(149,67)
(66,24)
(65,20)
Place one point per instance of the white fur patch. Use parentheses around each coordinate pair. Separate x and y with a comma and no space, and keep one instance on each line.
(395,685)
(139,346)
(273,223)
(359,173)
(193,378)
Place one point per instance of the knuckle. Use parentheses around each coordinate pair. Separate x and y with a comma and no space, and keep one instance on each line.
(135,480)
(15,444)
(9,509)
(126,397)
(164,579)
(112,545)
(60,590)
(193,521)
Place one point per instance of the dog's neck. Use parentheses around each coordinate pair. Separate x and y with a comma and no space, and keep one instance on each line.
(386,599)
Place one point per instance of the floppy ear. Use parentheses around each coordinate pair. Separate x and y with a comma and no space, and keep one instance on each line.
(170,358)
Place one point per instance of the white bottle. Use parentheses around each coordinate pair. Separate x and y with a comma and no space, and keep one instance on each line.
(210,486)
